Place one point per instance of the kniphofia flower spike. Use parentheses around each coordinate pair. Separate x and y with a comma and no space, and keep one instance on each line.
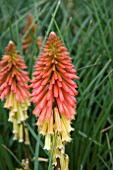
(14,88)
(53,94)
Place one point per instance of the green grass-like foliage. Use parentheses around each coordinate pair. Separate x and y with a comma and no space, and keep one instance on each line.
(86,27)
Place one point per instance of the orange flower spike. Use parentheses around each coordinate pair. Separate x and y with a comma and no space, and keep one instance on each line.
(53,94)
(13,87)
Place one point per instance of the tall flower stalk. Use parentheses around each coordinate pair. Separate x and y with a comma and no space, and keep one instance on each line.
(53,94)
(14,88)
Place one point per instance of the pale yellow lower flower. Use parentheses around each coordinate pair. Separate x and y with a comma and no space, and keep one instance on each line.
(60,125)
(18,116)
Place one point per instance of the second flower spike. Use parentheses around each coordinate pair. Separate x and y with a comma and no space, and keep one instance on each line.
(13,87)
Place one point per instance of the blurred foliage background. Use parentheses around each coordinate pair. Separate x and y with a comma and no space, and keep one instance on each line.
(86,28)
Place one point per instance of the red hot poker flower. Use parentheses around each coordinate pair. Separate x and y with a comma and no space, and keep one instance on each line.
(53,93)
(13,86)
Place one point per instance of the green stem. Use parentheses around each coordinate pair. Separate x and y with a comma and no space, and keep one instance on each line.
(51,157)
(37,152)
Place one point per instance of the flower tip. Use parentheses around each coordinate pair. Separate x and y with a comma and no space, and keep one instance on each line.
(11,42)
(11,48)
(20,140)
(52,33)
(27,143)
